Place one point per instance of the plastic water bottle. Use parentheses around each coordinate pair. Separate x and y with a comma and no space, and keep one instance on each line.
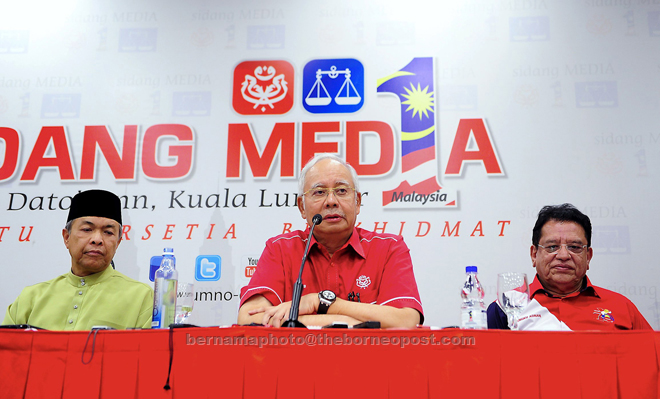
(473,310)
(165,286)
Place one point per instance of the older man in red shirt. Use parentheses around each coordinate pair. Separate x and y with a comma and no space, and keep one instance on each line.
(352,275)
(561,295)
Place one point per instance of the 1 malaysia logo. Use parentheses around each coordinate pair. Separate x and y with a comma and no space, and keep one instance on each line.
(604,315)
(414,85)
(263,87)
(420,186)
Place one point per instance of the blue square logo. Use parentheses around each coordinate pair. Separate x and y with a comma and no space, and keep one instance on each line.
(14,41)
(207,268)
(611,240)
(138,40)
(61,105)
(596,94)
(529,29)
(333,86)
(191,103)
(265,37)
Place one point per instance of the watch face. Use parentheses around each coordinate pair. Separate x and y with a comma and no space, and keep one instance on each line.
(329,295)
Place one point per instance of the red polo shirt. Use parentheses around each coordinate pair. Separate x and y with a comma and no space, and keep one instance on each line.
(591,308)
(375,265)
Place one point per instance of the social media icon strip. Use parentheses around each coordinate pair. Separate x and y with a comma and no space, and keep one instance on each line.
(207,268)
(333,86)
(263,87)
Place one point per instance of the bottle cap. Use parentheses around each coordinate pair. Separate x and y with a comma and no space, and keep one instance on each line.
(168,251)
(470,269)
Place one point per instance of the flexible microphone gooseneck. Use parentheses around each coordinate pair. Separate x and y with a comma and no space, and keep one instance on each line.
(298,286)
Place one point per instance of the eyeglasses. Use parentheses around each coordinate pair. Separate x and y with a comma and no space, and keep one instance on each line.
(572,248)
(341,192)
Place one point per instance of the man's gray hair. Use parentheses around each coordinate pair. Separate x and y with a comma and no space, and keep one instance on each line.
(320,157)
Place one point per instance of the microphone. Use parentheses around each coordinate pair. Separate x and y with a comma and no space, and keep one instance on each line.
(297,287)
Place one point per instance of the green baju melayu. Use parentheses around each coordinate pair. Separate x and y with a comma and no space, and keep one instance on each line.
(69,302)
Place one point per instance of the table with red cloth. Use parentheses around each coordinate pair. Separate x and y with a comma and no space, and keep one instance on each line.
(259,362)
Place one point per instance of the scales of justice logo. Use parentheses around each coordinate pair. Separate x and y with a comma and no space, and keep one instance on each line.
(333,86)
(263,87)
(342,99)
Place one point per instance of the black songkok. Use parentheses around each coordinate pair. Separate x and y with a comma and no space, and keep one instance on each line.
(98,203)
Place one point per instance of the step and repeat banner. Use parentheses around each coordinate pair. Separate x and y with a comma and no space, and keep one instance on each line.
(462,119)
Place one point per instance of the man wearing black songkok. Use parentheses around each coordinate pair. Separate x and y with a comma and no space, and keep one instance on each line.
(92,293)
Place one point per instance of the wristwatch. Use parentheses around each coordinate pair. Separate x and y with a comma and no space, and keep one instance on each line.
(327,298)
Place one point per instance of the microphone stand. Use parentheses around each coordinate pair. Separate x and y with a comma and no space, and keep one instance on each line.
(298,286)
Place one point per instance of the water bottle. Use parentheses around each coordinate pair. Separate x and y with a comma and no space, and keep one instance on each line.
(165,286)
(473,310)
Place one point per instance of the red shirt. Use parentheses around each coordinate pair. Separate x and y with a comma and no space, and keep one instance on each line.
(591,308)
(376,266)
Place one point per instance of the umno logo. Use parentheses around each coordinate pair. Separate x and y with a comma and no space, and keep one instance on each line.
(363,281)
(263,87)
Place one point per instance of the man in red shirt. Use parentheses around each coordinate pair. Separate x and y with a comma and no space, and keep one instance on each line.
(351,275)
(561,295)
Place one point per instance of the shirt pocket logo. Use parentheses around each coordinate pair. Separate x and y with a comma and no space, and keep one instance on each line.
(363,281)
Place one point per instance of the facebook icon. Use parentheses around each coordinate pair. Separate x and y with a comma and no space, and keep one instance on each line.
(207,268)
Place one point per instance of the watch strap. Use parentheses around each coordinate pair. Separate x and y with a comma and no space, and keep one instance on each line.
(324,304)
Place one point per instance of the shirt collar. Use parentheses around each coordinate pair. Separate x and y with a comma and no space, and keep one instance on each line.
(353,242)
(91,279)
(587,288)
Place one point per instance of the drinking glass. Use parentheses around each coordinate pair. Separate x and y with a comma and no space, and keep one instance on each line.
(512,295)
(185,299)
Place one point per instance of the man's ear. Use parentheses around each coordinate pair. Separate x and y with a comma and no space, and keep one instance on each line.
(301,207)
(120,232)
(65,236)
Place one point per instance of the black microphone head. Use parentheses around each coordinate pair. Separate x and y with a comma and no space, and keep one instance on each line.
(317,219)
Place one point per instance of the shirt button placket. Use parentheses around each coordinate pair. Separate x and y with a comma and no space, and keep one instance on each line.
(333,277)
(77,304)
